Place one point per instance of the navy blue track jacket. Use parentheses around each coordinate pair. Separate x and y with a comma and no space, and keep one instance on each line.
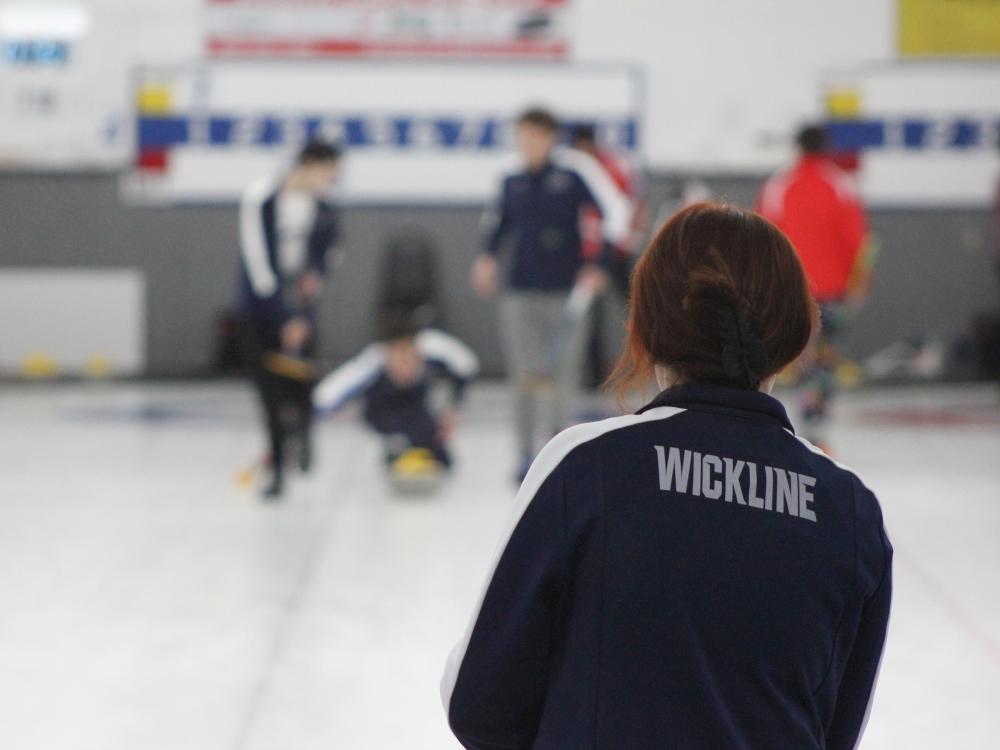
(262,282)
(539,213)
(694,576)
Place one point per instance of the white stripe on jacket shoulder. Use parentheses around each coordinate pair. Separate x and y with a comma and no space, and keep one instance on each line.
(253,245)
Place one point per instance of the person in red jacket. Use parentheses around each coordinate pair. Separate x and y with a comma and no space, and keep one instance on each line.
(816,205)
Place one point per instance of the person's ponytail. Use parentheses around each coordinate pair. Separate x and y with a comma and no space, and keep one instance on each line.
(721,315)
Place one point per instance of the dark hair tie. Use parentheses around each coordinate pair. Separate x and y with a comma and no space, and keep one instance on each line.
(744,357)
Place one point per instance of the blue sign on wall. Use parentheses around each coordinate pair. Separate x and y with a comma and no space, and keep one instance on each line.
(34,52)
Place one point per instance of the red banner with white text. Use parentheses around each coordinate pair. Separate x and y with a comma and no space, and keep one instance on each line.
(462,29)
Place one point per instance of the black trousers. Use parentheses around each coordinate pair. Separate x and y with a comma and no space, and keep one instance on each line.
(286,402)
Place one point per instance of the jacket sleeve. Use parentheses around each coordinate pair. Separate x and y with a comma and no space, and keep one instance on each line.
(495,682)
(350,380)
(265,286)
(496,222)
(857,684)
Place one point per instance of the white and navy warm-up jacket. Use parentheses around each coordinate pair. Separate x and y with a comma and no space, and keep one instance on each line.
(279,240)
(693,576)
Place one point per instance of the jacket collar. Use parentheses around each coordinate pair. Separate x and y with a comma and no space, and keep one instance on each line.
(542,170)
(725,400)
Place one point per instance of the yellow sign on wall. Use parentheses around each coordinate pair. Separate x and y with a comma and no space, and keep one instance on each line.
(966,28)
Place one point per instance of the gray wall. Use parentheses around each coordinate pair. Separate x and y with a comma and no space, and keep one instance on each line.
(934,273)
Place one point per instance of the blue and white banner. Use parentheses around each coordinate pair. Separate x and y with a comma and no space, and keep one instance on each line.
(413,133)
(358,130)
(927,132)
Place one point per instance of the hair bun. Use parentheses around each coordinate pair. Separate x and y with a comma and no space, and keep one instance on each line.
(744,356)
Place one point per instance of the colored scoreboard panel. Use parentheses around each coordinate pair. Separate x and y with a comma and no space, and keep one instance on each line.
(949,28)
(415,133)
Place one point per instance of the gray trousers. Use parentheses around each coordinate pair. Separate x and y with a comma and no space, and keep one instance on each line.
(544,349)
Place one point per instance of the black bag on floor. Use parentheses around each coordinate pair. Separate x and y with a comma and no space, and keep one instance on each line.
(410,277)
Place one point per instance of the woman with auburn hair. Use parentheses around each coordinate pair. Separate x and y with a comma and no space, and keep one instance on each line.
(693,575)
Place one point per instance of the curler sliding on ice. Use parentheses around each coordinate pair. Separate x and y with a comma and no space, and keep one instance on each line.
(396,377)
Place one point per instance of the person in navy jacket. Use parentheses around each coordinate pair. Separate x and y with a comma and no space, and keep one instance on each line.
(694,575)
(287,228)
(538,217)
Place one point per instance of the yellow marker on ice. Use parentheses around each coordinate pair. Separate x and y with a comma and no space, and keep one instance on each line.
(98,366)
(244,478)
(39,365)
(848,374)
